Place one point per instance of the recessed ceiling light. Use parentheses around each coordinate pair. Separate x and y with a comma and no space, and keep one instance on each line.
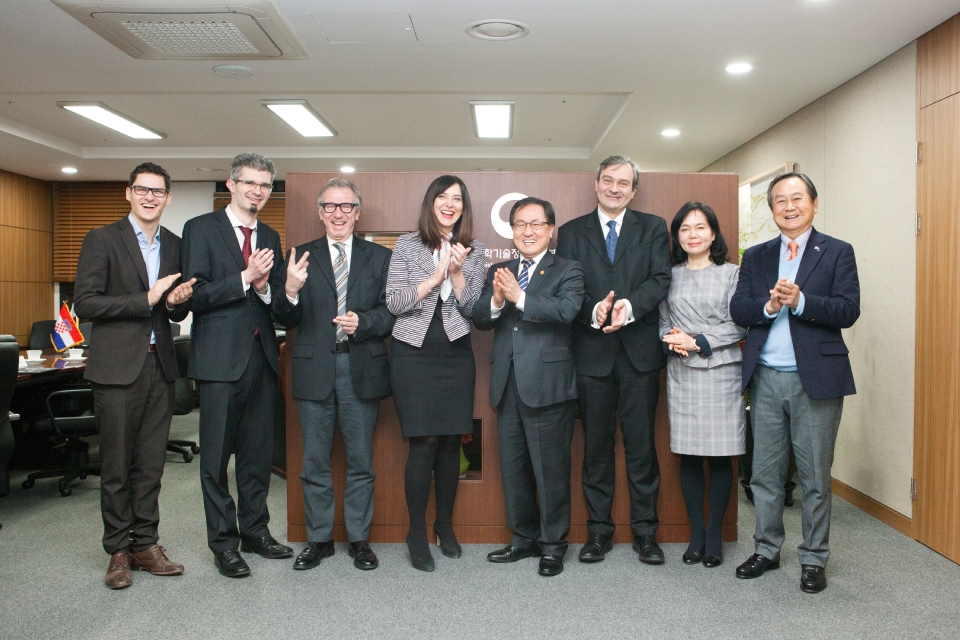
(347,169)
(299,115)
(670,133)
(738,68)
(497,29)
(492,118)
(102,114)
(69,169)
(232,71)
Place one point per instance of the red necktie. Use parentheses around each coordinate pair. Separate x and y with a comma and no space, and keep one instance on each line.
(247,249)
(793,246)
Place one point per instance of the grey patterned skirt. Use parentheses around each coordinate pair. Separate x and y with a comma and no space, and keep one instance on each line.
(706,410)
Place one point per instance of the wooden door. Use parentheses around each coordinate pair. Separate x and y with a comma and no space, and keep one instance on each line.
(936,511)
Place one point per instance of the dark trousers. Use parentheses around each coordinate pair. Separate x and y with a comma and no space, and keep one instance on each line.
(237,418)
(134,423)
(634,394)
(535,461)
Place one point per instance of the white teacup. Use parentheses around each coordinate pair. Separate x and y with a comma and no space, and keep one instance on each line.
(34,354)
(75,353)
(23,361)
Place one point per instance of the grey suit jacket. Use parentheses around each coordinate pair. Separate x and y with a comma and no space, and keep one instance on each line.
(111,290)
(537,339)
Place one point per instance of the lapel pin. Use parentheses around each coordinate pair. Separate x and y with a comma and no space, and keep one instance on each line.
(542,272)
(816,248)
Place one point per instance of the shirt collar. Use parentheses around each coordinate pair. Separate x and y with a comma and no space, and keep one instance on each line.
(141,236)
(348,243)
(801,241)
(536,260)
(235,222)
(605,219)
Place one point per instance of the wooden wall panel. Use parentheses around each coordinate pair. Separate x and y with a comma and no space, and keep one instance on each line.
(938,63)
(391,204)
(26,245)
(79,207)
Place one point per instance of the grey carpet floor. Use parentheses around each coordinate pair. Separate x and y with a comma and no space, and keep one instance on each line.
(881,584)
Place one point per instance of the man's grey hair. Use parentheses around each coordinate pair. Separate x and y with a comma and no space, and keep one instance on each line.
(340,182)
(253,161)
(616,161)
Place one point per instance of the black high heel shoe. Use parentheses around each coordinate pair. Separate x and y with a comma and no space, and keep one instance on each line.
(448,544)
(694,557)
(714,559)
(420,556)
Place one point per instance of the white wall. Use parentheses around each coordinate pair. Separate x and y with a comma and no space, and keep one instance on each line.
(858,145)
(190,199)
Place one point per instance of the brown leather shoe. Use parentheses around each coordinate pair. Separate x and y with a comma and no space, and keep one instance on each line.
(154,560)
(118,573)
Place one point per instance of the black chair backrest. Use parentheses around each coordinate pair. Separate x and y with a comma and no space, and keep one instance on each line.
(86,329)
(181,346)
(71,412)
(40,334)
(9,365)
(174,329)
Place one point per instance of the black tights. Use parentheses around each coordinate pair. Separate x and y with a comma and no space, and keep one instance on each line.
(438,456)
(692,485)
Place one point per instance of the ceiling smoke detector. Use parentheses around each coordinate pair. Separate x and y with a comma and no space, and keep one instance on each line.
(190,30)
(497,29)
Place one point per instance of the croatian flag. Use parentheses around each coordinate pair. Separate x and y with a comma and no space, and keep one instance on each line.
(66,333)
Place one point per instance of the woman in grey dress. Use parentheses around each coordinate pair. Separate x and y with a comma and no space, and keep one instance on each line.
(703,373)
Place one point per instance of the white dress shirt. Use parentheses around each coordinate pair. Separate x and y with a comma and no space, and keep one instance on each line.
(236,224)
(604,220)
(494,309)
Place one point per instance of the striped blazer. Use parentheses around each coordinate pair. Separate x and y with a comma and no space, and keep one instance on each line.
(411,264)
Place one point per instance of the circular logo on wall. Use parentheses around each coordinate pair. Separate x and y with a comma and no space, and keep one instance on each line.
(500,225)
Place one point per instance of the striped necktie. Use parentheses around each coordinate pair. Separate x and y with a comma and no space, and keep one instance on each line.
(524,274)
(612,240)
(340,272)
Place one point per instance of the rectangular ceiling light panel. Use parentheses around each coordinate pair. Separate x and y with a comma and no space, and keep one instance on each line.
(104,115)
(492,119)
(299,115)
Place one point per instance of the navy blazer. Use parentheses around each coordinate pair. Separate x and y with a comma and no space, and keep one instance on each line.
(827,277)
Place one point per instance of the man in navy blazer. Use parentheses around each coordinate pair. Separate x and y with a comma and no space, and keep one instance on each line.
(795,293)
(531,303)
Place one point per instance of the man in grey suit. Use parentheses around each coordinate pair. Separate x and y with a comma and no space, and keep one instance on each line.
(335,295)
(531,302)
(795,293)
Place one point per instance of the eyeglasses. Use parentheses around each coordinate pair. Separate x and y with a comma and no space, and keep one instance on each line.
(330,207)
(521,226)
(142,191)
(250,184)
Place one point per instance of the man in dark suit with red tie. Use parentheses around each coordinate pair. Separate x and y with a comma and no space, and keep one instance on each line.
(618,353)
(235,259)
(795,293)
(127,285)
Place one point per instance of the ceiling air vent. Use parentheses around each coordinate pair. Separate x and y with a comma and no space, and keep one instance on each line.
(190,30)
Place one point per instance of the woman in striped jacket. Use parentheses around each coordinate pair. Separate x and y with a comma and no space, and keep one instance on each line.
(436,275)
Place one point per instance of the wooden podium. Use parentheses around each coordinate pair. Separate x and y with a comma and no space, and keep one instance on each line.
(391,204)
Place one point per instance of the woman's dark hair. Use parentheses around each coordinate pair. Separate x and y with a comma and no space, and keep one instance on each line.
(718,250)
(429,226)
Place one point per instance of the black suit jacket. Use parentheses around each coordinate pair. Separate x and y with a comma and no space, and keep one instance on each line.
(111,290)
(537,339)
(828,279)
(314,357)
(640,272)
(224,317)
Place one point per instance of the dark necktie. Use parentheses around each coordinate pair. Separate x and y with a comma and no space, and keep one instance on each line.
(524,274)
(612,240)
(247,249)
(340,273)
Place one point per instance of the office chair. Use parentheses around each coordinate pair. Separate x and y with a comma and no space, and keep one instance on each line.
(183,402)
(86,330)
(70,417)
(174,329)
(40,334)
(9,365)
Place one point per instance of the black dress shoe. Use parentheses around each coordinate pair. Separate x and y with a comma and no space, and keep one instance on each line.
(511,553)
(813,579)
(265,546)
(712,561)
(550,565)
(650,552)
(693,557)
(312,554)
(363,556)
(597,547)
(448,544)
(231,564)
(756,565)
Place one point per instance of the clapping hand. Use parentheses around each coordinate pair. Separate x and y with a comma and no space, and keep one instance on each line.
(505,284)
(182,293)
(258,268)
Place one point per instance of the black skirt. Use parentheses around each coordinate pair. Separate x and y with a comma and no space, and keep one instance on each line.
(433,385)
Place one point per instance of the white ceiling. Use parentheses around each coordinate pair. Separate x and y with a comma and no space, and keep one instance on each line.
(591,79)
